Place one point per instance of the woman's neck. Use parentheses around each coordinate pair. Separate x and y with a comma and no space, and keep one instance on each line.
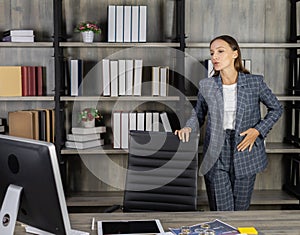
(229,77)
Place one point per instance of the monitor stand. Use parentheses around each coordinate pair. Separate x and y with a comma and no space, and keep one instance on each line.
(9,209)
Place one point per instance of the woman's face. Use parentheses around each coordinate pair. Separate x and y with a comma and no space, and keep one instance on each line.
(222,56)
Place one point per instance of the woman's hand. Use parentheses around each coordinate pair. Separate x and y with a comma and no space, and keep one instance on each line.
(183,134)
(250,136)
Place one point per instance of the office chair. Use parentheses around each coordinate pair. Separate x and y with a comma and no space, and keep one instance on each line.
(161,173)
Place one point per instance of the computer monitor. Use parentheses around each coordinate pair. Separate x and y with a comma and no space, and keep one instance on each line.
(31,190)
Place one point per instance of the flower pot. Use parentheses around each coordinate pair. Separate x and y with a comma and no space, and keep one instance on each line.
(87,36)
(88,123)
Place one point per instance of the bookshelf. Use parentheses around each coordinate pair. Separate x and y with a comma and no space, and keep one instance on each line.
(261,40)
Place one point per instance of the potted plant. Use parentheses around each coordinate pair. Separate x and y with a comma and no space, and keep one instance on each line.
(88,116)
(87,30)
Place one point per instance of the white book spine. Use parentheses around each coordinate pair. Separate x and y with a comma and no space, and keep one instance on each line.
(148,121)
(106,77)
(135,24)
(117,129)
(122,77)
(132,121)
(166,122)
(74,77)
(111,23)
(155,125)
(143,24)
(164,74)
(140,121)
(129,76)
(155,81)
(248,65)
(138,66)
(120,24)
(124,130)
(114,78)
(127,23)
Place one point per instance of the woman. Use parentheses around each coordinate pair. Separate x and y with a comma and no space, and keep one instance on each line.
(233,150)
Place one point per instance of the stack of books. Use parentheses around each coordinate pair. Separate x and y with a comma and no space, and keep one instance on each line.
(85,137)
(3,125)
(18,35)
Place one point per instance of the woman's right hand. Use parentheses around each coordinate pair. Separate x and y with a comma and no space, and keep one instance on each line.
(184,134)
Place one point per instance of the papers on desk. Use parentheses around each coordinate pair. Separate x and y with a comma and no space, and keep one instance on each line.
(218,227)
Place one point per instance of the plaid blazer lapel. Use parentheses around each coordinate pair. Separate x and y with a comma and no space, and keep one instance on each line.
(241,97)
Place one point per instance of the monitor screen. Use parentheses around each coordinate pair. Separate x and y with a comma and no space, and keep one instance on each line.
(33,166)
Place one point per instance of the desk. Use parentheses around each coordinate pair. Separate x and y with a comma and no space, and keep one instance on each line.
(272,222)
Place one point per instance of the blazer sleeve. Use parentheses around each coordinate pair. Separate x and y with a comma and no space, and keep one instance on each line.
(274,108)
(198,114)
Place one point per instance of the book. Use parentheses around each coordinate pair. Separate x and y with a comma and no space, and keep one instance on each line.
(127,23)
(216,227)
(106,77)
(164,81)
(129,77)
(88,130)
(155,80)
(119,23)
(135,24)
(31,75)
(76,77)
(132,121)
(116,129)
(155,121)
(10,81)
(137,82)
(111,23)
(140,121)
(18,39)
(142,23)
(122,77)
(83,138)
(114,78)
(149,117)
(84,145)
(21,124)
(124,130)
(40,83)
(165,122)
(2,129)
(24,77)
(18,32)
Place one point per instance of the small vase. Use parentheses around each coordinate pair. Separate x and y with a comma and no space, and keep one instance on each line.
(88,123)
(87,36)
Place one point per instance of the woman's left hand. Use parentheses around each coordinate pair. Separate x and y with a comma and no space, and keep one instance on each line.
(250,136)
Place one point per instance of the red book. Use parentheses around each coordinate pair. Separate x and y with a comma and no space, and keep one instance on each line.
(24,76)
(39,80)
(31,81)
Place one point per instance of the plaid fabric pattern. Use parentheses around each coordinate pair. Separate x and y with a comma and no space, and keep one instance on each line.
(251,92)
(225,191)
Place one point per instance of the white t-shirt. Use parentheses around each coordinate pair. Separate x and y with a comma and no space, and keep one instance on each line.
(230,100)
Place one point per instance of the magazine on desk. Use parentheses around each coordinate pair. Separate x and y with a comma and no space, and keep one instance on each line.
(218,226)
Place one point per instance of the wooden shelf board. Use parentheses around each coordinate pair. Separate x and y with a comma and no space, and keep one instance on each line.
(26,98)
(248,45)
(26,44)
(272,148)
(279,97)
(117,45)
(120,98)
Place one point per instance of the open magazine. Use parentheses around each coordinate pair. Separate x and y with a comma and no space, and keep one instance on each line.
(216,227)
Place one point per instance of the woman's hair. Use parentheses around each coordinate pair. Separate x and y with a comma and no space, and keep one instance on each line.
(238,64)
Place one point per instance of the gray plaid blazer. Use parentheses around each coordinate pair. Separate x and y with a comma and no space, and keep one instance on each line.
(251,91)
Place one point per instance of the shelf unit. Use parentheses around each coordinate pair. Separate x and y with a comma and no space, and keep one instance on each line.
(65,44)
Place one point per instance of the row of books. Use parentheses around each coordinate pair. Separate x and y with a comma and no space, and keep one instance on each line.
(118,77)
(247,63)
(22,81)
(18,35)
(127,23)
(38,124)
(123,122)
(85,137)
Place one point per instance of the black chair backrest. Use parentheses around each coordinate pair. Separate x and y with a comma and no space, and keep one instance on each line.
(161,173)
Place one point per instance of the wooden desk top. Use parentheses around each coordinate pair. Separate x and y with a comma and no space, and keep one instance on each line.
(272,222)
